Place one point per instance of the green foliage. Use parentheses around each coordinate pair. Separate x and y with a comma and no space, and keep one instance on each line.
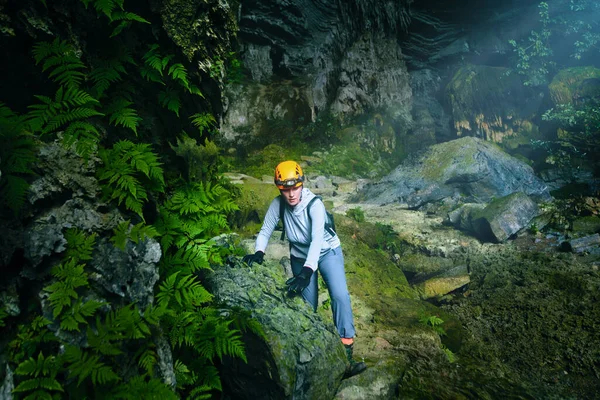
(17,154)
(153,70)
(129,170)
(80,245)
(578,138)
(135,233)
(82,365)
(40,376)
(188,219)
(203,121)
(434,322)
(356,214)
(60,59)
(202,161)
(121,114)
(558,26)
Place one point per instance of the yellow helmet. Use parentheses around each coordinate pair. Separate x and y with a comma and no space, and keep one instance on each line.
(288,174)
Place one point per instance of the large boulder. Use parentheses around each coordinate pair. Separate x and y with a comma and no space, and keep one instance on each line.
(300,356)
(497,221)
(467,169)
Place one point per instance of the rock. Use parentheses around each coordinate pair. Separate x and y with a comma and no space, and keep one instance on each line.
(575,84)
(379,382)
(462,217)
(301,356)
(490,103)
(504,217)
(586,225)
(466,170)
(8,385)
(130,273)
(443,283)
(583,244)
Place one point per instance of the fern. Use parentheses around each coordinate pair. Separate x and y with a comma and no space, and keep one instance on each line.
(203,121)
(135,233)
(148,360)
(69,104)
(186,290)
(121,114)
(79,245)
(179,73)
(42,377)
(129,321)
(17,154)
(59,57)
(82,364)
(29,338)
(61,293)
(155,61)
(170,100)
(128,169)
(107,73)
(83,135)
(77,314)
(215,339)
(138,388)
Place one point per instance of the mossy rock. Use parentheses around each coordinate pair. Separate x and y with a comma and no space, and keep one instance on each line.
(253,201)
(573,83)
(587,225)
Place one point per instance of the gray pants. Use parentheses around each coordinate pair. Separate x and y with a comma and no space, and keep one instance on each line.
(331,266)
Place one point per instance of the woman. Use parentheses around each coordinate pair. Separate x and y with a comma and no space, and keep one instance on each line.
(312,249)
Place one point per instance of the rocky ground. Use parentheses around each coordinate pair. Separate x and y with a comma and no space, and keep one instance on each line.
(508,308)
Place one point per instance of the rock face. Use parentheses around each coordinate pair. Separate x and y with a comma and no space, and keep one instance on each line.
(468,169)
(301,356)
(497,221)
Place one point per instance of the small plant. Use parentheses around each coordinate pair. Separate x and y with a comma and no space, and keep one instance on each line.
(435,323)
(356,214)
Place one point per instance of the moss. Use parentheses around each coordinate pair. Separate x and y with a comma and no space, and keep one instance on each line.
(441,157)
(567,84)
(253,201)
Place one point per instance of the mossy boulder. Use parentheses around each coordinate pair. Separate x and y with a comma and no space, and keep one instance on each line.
(465,170)
(300,355)
(575,84)
(491,103)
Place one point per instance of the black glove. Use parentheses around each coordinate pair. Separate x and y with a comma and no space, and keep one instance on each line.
(299,282)
(257,257)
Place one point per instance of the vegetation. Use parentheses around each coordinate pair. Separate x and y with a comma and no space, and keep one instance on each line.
(78,343)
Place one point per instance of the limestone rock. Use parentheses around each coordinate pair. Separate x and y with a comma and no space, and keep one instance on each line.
(466,169)
(301,356)
(444,282)
(504,217)
(379,382)
(130,273)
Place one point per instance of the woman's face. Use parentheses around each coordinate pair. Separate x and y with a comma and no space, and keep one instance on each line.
(292,196)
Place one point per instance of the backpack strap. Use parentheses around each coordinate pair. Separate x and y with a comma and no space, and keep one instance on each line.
(329,227)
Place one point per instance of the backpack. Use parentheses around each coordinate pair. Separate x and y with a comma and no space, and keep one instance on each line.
(329,222)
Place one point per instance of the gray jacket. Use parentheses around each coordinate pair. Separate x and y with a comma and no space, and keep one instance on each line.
(308,241)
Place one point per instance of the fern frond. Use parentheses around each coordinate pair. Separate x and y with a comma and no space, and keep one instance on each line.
(105,338)
(84,365)
(79,245)
(203,121)
(70,276)
(179,73)
(121,114)
(151,75)
(131,322)
(128,16)
(74,114)
(83,135)
(105,6)
(138,388)
(105,74)
(170,99)
(148,361)
(43,372)
(77,314)
(154,60)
